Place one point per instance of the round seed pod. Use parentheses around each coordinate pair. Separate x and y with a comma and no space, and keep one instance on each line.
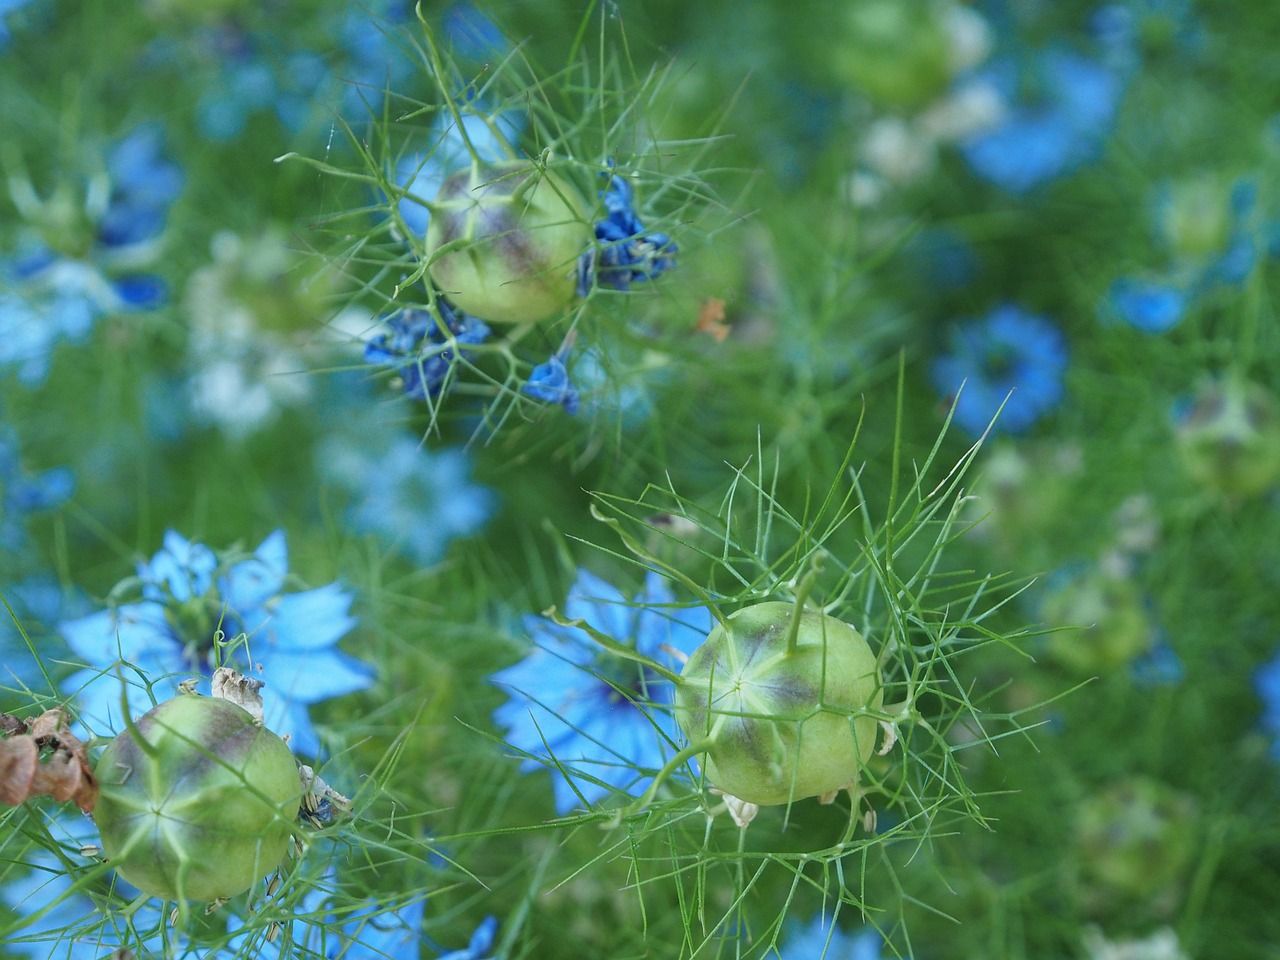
(521,231)
(779,722)
(1229,437)
(208,806)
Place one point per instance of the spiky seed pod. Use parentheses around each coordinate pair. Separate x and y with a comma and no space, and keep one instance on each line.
(205,808)
(519,231)
(1230,438)
(779,721)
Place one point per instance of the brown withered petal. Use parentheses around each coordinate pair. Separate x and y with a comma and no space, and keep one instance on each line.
(65,774)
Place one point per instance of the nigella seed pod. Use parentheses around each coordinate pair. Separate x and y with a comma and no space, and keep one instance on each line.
(780,703)
(1229,437)
(511,236)
(197,800)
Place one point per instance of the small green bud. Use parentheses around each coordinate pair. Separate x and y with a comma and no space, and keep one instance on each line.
(203,807)
(521,232)
(1113,624)
(780,718)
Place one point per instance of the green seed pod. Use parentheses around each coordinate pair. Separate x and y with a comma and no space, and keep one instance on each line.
(202,811)
(1230,438)
(753,693)
(1113,624)
(522,231)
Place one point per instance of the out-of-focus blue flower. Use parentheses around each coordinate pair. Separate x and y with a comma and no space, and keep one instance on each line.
(39,604)
(7,7)
(22,493)
(605,721)
(1160,666)
(471,34)
(189,595)
(411,498)
(421,174)
(1267,682)
(57,295)
(78,927)
(1058,108)
(1009,353)
(625,254)
(1128,29)
(549,382)
(1150,306)
(481,942)
(377,62)
(821,940)
(418,347)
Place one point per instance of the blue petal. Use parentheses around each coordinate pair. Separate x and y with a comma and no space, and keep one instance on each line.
(310,620)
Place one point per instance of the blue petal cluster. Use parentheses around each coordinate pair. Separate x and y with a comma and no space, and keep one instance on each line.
(820,939)
(549,382)
(248,83)
(422,349)
(410,498)
(55,296)
(625,253)
(604,721)
(1009,353)
(189,595)
(1267,682)
(23,493)
(1058,108)
(38,604)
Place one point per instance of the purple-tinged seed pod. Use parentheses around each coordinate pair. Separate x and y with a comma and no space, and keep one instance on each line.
(512,235)
(197,801)
(780,705)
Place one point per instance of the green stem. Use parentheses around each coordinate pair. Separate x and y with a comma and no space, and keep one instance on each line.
(613,646)
(681,756)
(802,594)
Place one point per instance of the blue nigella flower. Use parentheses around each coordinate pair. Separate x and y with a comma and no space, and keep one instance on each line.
(39,604)
(419,349)
(471,34)
(23,493)
(378,63)
(625,254)
(481,942)
(1009,353)
(189,594)
(1159,666)
(411,498)
(605,721)
(78,927)
(820,939)
(1149,306)
(56,295)
(7,7)
(1058,108)
(1267,682)
(1128,29)
(549,382)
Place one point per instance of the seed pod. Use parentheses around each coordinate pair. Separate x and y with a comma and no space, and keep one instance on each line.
(1229,437)
(521,231)
(205,808)
(778,719)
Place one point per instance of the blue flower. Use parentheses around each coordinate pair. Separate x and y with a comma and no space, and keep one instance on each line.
(549,382)
(1058,108)
(604,720)
(188,595)
(820,939)
(625,254)
(419,348)
(1127,29)
(78,927)
(1009,353)
(1159,666)
(410,498)
(58,295)
(481,942)
(472,35)
(1150,306)
(23,493)
(7,7)
(39,604)
(378,62)
(1267,682)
